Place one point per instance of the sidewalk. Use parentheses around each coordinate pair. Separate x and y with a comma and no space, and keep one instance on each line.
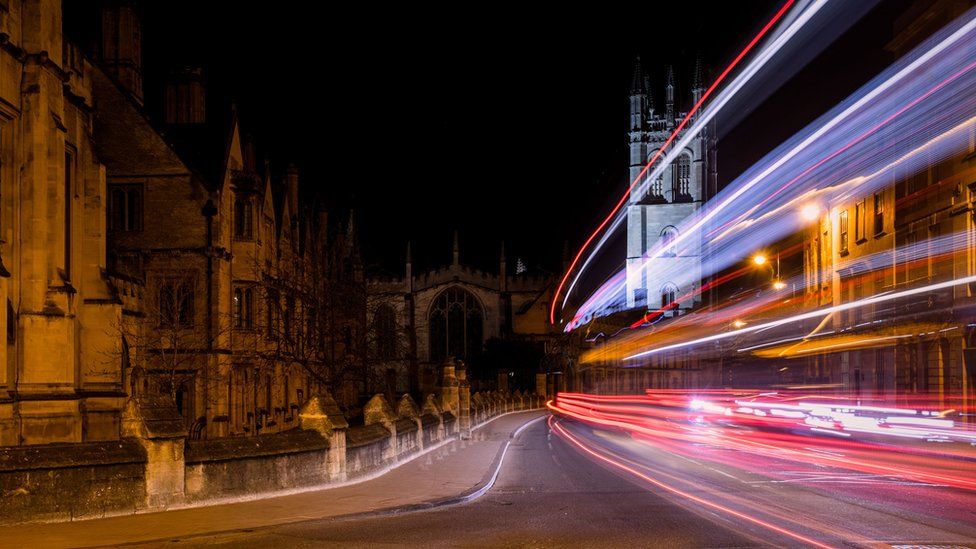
(445,474)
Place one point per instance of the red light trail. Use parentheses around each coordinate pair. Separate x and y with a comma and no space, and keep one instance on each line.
(623,199)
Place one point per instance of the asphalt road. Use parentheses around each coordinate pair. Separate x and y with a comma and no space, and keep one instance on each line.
(551,493)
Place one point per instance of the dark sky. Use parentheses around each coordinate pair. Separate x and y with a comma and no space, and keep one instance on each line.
(501,121)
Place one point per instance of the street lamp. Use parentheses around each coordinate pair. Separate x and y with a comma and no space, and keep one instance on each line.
(759,259)
(778,284)
(739,323)
(810,212)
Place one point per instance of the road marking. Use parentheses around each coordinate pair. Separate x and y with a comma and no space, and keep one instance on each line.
(726,474)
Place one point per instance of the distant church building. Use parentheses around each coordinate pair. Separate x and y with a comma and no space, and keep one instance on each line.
(655,210)
(422,319)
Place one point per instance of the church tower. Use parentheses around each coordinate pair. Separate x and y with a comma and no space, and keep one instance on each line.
(657,208)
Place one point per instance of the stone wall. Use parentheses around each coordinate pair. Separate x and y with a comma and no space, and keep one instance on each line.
(155,466)
(71,481)
(246,465)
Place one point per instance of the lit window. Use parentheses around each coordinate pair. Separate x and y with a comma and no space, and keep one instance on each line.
(879,213)
(842,231)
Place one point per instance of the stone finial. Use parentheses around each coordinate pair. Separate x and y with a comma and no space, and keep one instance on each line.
(431,406)
(448,373)
(152,417)
(378,410)
(321,413)
(407,408)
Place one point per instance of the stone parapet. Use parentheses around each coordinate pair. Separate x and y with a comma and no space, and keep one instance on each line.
(154,466)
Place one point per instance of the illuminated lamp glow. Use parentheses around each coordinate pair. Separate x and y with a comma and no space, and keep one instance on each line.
(810,212)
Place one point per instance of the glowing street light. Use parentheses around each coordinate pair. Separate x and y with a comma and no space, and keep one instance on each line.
(810,212)
(739,323)
(778,284)
(759,259)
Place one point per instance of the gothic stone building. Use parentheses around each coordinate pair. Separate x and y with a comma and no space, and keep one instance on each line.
(62,375)
(424,318)
(192,217)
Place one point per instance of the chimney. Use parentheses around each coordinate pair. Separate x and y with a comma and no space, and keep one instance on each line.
(121,47)
(186,97)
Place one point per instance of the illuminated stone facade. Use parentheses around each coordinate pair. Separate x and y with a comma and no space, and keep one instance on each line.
(63,374)
(657,207)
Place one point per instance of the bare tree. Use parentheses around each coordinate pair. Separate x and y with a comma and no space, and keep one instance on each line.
(168,347)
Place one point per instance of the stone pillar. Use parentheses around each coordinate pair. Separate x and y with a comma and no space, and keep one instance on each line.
(321,413)
(378,410)
(431,408)
(156,424)
(464,402)
(503,381)
(449,388)
(540,384)
(478,403)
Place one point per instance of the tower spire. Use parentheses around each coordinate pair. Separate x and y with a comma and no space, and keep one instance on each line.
(639,99)
(457,252)
(669,97)
(639,83)
(698,85)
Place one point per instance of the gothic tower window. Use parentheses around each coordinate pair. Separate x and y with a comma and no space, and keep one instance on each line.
(668,236)
(456,325)
(680,178)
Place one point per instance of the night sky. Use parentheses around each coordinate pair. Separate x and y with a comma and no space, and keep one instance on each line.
(502,122)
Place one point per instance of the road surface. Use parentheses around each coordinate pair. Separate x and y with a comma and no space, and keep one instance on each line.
(552,493)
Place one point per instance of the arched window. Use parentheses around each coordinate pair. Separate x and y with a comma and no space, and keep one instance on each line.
(680,178)
(385,325)
(668,236)
(456,322)
(243,219)
(668,293)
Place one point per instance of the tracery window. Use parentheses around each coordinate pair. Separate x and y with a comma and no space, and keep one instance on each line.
(668,236)
(680,178)
(456,322)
